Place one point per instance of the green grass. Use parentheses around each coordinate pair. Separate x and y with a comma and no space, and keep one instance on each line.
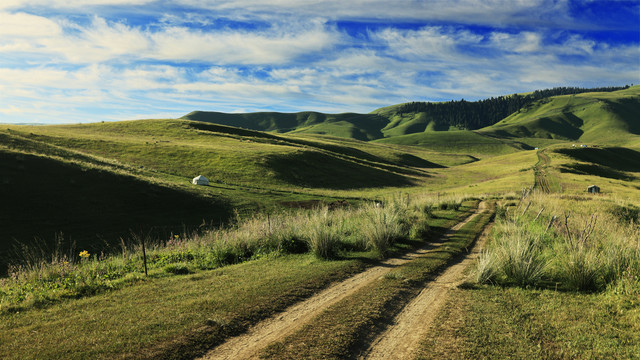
(598,118)
(488,322)
(349,125)
(461,141)
(342,329)
(163,317)
(170,315)
(97,183)
(91,208)
(586,304)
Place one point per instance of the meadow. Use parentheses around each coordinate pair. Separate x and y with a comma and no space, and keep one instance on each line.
(110,251)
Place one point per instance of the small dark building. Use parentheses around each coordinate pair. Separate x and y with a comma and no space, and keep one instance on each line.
(593,189)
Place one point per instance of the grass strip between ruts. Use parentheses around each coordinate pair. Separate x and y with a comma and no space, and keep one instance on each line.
(347,326)
(178,317)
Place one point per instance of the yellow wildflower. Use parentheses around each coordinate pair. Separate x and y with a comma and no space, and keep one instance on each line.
(84,254)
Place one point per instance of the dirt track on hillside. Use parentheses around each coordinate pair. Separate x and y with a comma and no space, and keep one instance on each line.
(402,338)
(249,345)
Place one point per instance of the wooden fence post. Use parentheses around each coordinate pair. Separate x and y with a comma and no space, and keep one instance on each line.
(144,256)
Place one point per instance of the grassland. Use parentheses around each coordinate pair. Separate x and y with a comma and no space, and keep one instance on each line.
(581,302)
(224,257)
(461,141)
(159,317)
(97,183)
(601,118)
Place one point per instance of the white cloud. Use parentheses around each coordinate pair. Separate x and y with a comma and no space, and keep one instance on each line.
(56,68)
(103,41)
(272,46)
(488,12)
(22,25)
(57,4)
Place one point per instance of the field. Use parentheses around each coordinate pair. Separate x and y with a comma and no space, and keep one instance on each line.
(325,236)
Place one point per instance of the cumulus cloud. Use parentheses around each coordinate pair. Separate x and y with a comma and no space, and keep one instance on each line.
(281,55)
(275,45)
(487,12)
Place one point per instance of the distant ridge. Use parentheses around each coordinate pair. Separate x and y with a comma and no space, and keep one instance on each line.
(349,125)
(564,113)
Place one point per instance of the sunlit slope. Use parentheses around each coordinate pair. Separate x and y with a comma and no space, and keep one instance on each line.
(401,123)
(600,118)
(498,174)
(348,125)
(181,149)
(97,183)
(458,142)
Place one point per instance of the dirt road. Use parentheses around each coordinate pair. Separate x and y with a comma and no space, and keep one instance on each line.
(249,345)
(541,180)
(401,340)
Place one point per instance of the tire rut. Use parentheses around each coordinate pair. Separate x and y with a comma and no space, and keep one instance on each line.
(403,337)
(258,337)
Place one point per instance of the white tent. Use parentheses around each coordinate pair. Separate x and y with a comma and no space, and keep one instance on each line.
(200,180)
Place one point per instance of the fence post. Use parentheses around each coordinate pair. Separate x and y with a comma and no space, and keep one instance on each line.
(144,256)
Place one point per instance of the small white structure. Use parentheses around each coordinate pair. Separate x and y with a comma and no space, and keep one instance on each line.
(594,189)
(200,180)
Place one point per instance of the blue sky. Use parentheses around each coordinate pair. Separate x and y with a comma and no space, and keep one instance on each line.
(70,61)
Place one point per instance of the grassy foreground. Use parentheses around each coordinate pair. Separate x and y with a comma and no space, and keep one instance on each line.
(159,317)
(345,327)
(565,289)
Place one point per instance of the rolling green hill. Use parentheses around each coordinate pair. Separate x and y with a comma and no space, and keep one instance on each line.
(460,141)
(265,160)
(97,183)
(349,125)
(599,118)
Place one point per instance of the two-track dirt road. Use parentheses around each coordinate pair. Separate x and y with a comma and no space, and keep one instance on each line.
(249,344)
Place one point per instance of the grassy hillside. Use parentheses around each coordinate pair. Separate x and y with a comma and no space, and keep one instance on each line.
(90,207)
(350,125)
(460,141)
(600,118)
(595,117)
(97,183)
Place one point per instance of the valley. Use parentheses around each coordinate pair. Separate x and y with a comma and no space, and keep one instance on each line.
(380,235)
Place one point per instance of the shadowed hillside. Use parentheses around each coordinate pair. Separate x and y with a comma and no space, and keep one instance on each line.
(93,208)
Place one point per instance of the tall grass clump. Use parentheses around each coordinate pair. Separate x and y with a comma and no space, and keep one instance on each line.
(487,268)
(521,258)
(581,268)
(323,235)
(384,225)
(574,244)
